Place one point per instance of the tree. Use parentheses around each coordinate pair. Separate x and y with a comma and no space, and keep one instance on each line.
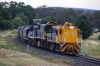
(30,13)
(83,24)
(5,24)
(24,18)
(0,22)
(17,22)
(13,4)
(96,19)
(5,14)
(49,19)
(26,10)
(21,4)
(20,19)
(99,37)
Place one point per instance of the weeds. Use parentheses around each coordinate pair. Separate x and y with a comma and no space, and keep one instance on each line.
(2,64)
(65,61)
(14,32)
(8,46)
(48,59)
(8,37)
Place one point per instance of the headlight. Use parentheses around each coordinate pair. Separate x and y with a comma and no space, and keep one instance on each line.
(71,27)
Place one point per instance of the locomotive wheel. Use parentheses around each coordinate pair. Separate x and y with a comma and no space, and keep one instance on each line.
(49,46)
(75,52)
(22,39)
(30,41)
(36,43)
(33,42)
(52,46)
(57,48)
(41,43)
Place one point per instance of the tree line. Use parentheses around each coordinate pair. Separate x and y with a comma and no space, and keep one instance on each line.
(67,14)
(14,14)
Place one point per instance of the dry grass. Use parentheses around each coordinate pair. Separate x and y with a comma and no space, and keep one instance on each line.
(94,36)
(12,54)
(93,45)
(13,58)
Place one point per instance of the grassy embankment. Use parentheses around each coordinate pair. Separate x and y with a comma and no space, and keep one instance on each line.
(13,54)
(93,45)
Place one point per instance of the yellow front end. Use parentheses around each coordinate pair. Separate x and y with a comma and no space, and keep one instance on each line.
(70,36)
(71,42)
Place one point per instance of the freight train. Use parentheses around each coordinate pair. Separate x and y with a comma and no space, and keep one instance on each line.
(64,38)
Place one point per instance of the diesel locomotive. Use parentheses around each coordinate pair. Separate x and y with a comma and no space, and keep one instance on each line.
(64,38)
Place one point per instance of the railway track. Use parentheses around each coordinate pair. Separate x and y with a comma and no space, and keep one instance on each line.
(78,57)
(89,59)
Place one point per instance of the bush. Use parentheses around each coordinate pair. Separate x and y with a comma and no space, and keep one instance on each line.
(83,24)
(99,30)
(6,24)
(8,46)
(99,37)
(95,31)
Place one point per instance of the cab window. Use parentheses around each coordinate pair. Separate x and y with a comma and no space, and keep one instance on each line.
(60,31)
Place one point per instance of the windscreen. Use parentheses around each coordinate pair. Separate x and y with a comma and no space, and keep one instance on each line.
(47,28)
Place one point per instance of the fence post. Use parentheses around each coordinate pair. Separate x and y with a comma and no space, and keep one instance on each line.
(86,49)
(82,47)
(27,48)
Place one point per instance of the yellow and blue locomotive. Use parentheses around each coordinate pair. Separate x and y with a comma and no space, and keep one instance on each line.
(64,38)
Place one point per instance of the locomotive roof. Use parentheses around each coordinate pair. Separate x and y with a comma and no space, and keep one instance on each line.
(55,27)
(45,24)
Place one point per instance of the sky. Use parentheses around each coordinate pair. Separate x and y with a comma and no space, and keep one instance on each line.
(88,4)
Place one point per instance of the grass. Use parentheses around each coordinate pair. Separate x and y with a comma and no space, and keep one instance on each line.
(2,64)
(13,54)
(93,45)
(8,46)
(66,61)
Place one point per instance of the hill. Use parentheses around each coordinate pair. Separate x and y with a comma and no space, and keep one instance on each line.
(85,10)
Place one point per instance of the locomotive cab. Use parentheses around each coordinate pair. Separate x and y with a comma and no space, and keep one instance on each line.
(47,29)
(56,32)
(32,31)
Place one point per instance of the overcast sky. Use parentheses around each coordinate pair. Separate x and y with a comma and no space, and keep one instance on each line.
(89,4)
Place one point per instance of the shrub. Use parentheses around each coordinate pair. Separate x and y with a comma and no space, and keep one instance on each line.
(95,31)
(83,24)
(99,37)
(99,30)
